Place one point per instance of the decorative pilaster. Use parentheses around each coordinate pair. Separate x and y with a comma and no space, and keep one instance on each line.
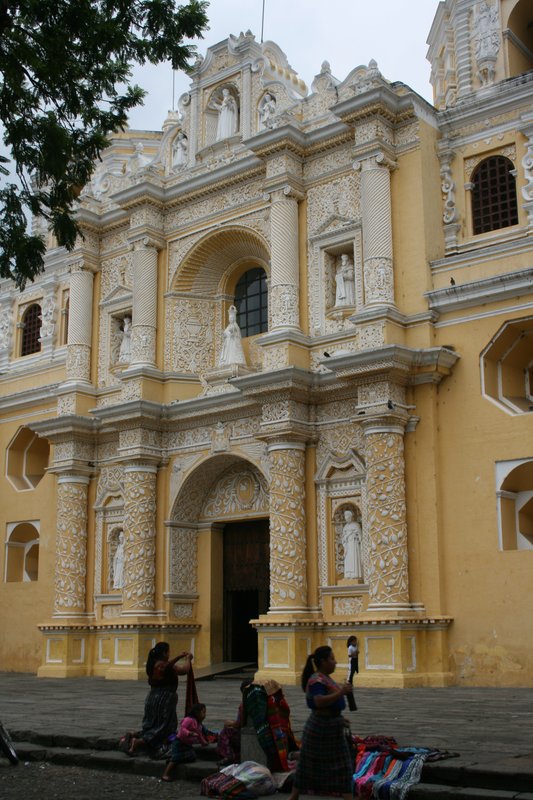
(377,229)
(284,276)
(6,334)
(80,323)
(463,51)
(138,593)
(386,515)
(71,545)
(527,165)
(450,215)
(288,580)
(144,321)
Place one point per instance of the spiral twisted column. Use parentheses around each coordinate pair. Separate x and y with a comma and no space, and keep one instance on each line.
(463,50)
(144,318)
(288,563)
(71,546)
(80,323)
(388,577)
(284,276)
(377,230)
(138,593)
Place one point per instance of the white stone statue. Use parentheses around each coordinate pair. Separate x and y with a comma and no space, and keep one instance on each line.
(267,111)
(124,355)
(47,317)
(118,564)
(179,151)
(138,160)
(351,542)
(232,352)
(345,282)
(227,115)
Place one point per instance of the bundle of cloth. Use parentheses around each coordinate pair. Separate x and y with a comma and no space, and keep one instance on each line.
(384,771)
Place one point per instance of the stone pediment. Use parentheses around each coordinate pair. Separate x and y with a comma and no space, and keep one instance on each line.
(333,223)
(117,295)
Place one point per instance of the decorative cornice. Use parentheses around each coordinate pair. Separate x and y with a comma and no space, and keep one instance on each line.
(476,293)
(404,364)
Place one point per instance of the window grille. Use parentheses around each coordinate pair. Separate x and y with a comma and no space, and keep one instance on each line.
(31,330)
(251,301)
(494,203)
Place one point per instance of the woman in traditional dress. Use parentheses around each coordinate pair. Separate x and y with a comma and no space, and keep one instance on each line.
(160,717)
(326,763)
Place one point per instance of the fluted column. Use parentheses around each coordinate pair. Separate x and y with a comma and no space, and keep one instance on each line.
(144,318)
(386,516)
(138,593)
(463,50)
(377,230)
(80,323)
(284,276)
(71,545)
(288,568)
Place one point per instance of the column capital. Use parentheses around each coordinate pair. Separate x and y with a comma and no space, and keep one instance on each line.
(146,241)
(374,161)
(288,191)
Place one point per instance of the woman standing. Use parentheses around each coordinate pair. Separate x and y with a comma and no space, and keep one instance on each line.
(353,658)
(326,763)
(160,717)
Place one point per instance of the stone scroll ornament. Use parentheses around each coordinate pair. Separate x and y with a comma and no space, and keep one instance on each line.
(387,528)
(139,541)
(71,548)
(288,585)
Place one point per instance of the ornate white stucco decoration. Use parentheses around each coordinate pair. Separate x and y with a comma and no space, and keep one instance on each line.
(183,560)
(347,606)
(487,40)
(241,491)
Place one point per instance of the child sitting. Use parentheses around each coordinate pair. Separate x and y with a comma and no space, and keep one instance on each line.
(191,731)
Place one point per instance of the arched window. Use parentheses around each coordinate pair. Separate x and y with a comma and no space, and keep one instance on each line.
(251,301)
(22,552)
(494,203)
(31,330)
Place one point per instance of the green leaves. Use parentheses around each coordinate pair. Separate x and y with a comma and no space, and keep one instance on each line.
(63,66)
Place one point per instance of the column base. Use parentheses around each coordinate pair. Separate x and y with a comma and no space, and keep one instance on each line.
(395,652)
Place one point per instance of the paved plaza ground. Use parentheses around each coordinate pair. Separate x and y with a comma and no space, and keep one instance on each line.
(486,726)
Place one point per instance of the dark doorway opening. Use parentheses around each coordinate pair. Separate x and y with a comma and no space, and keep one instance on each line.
(246,586)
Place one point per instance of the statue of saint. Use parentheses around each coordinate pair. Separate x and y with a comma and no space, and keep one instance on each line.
(138,160)
(118,563)
(227,116)
(124,354)
(4,329)
(267,111)
(232,352)
(351,542)
(179,151)
(345,282)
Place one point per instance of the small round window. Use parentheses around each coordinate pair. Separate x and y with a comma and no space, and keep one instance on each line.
(251,301)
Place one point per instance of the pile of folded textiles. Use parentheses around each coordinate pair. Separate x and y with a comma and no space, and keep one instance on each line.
(385,771)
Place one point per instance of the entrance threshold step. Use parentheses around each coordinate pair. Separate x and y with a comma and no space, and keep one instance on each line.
(226,669)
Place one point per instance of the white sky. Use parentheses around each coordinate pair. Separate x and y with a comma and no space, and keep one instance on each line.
(346,33)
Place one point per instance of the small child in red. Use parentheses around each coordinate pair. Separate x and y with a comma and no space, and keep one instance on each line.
(191,731)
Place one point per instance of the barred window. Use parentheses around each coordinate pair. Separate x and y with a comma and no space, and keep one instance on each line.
(31,330)
(494,195)
(251,301)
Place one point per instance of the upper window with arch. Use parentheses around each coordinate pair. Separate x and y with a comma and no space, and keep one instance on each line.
(22,552)
(494,203)
(519,38)
(31,330)
(251,301)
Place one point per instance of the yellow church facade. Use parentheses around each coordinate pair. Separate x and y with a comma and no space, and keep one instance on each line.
(281,391)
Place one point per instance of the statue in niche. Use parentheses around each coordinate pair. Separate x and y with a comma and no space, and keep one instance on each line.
(227,115)
(4,329)
(351,542)
(345,282)
(267,111)
(179,151)
(232,352)
(118,563)
(47,317)
(124,355)
(138,160)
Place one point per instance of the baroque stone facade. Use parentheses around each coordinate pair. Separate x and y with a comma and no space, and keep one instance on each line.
(348,226)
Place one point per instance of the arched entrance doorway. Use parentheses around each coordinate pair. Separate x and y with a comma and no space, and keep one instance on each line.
(219,554)
(246,585)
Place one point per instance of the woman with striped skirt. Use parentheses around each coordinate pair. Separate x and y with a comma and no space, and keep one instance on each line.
(326,762)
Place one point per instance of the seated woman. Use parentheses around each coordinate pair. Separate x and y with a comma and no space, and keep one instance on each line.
(191,732)
(160,718)
(229,738)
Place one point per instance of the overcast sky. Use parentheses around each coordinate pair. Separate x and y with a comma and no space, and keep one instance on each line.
(346,33)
